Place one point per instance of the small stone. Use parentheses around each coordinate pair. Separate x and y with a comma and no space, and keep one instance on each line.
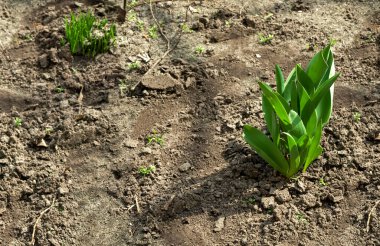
(146,151)
(130,143)
(53,242)
(42,143)
(53,55)
(64,104)
(342,152)
(336,196)
(268,202)
(3,207)
(219,224)
(283,195)
(185,167)
(63,190)
(309,200)
(5,139)
(43,61)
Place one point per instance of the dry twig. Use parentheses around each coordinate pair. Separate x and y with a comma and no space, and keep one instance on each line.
(137,205)
(38,220)
(370,214)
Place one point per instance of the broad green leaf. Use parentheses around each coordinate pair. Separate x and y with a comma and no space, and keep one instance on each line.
(303,97)
(326,104)
(303,143)
(277,102)
(271,120)
(288,86)
(294,102)
(314,149)
(305,80)
(317,66)
(297,128)
(311,124)
(266,149)
(316,98)
(280,83)
(294,163)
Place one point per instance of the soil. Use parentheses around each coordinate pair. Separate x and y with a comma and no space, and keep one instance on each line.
(70,171)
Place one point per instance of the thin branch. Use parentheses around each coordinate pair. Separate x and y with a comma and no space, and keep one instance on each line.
(38,220)
(370,214)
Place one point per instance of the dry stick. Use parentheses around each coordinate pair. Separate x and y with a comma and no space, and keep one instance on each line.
(370,214)
(38,219)
(168,43)
(137,205)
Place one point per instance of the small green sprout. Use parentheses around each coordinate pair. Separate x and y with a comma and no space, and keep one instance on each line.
(134,65)
(140,25)
(322,182)
(155,138)
(301,217)
(227,23)
(132,16)
(59,89)
(250,200)
(357,116)
(133,3)
(153,32)
(48,130)
(199,50)
(185,28)
(62,42)
(333,42)
(265,39)
(122,87)
(17,122)
(144,171)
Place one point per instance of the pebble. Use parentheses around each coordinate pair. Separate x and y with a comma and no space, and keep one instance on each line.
(184,167)
(219,224)
(63,190)
(283,195)
(268,202)
(146,151)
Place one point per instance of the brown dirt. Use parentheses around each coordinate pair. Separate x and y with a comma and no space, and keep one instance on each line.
(85,147)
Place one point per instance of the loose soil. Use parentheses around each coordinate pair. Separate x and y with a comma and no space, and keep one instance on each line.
(85,124)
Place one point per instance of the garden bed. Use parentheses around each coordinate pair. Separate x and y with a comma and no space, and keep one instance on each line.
(76,132)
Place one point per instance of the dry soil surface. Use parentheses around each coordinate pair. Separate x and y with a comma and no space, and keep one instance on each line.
(76,131)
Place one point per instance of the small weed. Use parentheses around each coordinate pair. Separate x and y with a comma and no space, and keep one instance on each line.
(265,39)
(153,32)
(140,25)
(155,138)
(48,130)
(132,16)
(27,37)
(322,182)
(59,89)
(270,210)
(185,28)
(333,42)
(122,87)
(134,65)
(357,116)
(227,23)
(17,122)
(133,3)
(250,200)
(301,218)
(199,50)
(89,36)
(144,171)
(62,42)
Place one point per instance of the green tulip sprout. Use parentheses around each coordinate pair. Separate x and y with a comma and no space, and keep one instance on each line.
(295,115)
